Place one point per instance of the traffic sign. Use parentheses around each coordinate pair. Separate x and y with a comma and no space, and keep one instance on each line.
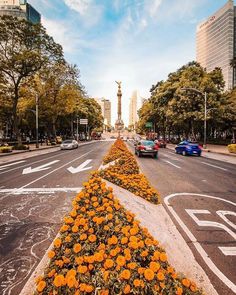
(83,121)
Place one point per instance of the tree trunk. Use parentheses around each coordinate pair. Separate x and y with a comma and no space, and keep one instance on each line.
(16,132)
(54,131)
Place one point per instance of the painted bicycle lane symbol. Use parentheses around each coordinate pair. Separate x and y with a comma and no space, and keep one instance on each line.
(202,218)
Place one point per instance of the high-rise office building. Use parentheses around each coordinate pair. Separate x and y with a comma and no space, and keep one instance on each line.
(216,42)
(106,110)
(133,116)
(21,9)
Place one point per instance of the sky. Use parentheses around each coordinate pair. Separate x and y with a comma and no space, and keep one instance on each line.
(138,42)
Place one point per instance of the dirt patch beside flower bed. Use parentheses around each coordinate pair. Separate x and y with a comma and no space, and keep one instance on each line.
(103,250)
(125,173)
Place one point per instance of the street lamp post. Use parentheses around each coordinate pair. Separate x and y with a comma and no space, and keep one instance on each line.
(37,120)
(204,94)
(77,128)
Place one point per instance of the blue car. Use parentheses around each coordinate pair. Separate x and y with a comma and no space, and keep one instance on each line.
(188,148)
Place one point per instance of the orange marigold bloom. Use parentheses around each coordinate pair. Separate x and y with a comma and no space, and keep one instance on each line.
(68,239)
(57,243)
(77,248)
(106,275)
(160,276)
(113,240)
(163,257)
(120,260)
(186,282)
(82,269)
(109,216)
(155,266)
(149,274)
(108,263)
(127,289)
(132,265)
(75,229)
(124,240)
(73,213)
(92,238)
(91,230)
(125,274)
(144,253)
(71,281)
(64,228)
(79,260)
(41,285)
(133,245)
(52,273)
(59,281)
(51,254)
(133,231)
(83,237)
(179,291)
(98,257)
(137,283)
(193,287)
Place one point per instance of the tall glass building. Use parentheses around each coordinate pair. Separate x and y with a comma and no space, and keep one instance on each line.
(216,42)
(21,9)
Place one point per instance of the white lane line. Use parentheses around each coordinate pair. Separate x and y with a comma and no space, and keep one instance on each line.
(38,161)
(218,167)
(194,241)
(41,177)
(172,164)
(172,158)
(12,164)
(44,190)
(228,251)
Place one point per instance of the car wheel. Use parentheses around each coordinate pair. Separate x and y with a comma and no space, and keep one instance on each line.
(135,152)
(139,154)
(155,156)
(176,151)
(184,153)
(199,154)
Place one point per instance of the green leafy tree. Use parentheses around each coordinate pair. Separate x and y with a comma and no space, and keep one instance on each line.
(24,49)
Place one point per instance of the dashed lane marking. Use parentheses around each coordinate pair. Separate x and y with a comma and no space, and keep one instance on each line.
(172,164)
(12,164)
(44,190)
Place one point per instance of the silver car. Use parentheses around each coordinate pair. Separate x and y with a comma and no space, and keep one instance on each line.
(69,144)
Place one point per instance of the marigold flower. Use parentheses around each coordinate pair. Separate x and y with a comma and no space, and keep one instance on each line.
(133,231)
(124,240)
(89,289)
(83,237)
(51,254)
(75,229)
(77,248)
(98,257)
(82,269)
(52,273)
(92,238)
(79,260)
(108,263)
(127,289)
(64,228)
(179,291)
(193,287)
(71,281)
(68,239)
(149,274)
(59,281)
(57,243)
(132,265)
(120,260)
(41,285)
(137,283)
(125,274)
(155,266)
(186,282)
(160,276)
(163,257)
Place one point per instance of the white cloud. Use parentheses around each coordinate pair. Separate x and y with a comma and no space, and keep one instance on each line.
(153,7)
(81,6)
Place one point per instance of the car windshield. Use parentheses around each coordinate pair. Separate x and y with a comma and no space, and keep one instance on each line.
(147,143)
(193,143)
(67,141)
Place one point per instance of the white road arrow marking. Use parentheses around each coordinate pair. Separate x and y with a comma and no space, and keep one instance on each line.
(80,168)
(8,165)
(39,168)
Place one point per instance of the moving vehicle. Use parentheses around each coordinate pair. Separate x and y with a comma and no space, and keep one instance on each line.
(161,143)
(146,147)
(58,139)
(188,148)
(69,144)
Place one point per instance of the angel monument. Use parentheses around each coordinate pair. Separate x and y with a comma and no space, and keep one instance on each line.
(119,125)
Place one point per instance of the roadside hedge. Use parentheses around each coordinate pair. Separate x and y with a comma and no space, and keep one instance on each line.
(232,148)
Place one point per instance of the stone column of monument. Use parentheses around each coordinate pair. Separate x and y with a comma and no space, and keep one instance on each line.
(119,125)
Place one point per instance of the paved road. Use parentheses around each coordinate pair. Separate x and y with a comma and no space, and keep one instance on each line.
(200,194)
(35,194)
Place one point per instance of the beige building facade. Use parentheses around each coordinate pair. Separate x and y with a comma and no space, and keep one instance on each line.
(106,109)
(133,105)
(216,42)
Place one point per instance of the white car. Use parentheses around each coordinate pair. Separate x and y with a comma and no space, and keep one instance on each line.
(69,144)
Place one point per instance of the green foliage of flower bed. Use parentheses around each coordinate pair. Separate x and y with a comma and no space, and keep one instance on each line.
(21,147)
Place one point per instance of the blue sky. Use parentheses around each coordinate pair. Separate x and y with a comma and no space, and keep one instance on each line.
(135,41)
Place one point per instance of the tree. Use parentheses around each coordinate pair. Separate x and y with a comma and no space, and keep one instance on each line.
(24,49)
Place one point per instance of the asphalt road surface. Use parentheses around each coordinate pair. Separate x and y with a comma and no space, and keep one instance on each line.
(35,194)
(200,196)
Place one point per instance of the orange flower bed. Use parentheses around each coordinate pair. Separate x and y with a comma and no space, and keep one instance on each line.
(116,151)
(103,250)
(125,173)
